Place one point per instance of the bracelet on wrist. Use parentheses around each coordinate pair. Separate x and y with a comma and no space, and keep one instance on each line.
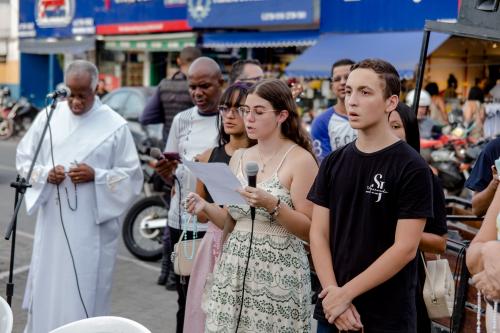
(276,210)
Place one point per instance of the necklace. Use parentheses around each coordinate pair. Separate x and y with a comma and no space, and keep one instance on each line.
(263,169)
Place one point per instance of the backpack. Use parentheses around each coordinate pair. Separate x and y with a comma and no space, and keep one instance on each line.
(174,97)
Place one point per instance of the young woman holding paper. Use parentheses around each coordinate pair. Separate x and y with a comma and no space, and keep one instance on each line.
(232,136)
(275,290)
(483,262)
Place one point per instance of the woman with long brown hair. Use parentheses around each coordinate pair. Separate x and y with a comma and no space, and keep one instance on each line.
(268,288)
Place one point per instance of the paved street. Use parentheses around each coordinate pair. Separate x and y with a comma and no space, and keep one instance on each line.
(135,293)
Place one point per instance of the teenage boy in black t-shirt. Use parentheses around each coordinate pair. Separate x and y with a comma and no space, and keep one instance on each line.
(372,198)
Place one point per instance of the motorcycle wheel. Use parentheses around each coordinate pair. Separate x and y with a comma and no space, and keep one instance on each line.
(147,249)
(6,129)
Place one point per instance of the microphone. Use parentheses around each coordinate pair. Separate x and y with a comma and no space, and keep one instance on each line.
(251,169)
(58,93)
(156,153)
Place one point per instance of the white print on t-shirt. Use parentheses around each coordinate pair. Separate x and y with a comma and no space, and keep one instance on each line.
(317,150)
(340,131)
(377,188)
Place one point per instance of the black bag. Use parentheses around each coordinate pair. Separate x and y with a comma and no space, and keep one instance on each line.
(175,97)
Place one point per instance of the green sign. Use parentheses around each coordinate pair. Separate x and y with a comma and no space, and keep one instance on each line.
(152,45)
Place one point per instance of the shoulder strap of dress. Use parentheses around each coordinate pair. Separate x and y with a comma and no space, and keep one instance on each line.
(284,157)
(235,162)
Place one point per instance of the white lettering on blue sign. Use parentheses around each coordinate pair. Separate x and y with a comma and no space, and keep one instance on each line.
(284,16)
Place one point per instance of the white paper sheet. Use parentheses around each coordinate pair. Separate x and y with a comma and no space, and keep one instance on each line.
(219,180)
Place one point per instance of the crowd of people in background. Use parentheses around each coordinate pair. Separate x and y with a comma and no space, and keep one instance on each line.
(355,189)
(330,132)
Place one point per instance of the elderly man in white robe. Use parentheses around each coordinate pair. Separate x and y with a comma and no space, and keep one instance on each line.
(79,194)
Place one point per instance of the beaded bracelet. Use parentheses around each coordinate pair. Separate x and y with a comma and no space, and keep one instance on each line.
(276,210)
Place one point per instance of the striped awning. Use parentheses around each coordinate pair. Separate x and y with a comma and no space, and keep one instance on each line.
(260,39)
(56,46)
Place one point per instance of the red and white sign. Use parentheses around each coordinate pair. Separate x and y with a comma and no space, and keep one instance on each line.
(143,27)
(54,13)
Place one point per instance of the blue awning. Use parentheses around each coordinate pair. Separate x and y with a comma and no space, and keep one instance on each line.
(260,39)
(402,49)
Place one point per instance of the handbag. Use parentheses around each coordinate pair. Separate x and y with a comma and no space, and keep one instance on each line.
(439,288)
(185,250)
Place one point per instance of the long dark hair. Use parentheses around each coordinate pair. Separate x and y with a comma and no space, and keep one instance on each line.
(234,96)
(278,94)
(410,125)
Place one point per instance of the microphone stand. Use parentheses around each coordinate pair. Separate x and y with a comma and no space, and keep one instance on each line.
(21,184)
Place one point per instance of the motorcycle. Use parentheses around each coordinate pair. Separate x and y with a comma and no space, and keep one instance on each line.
(452,159)
(143,227)
(146,220)
(17,117)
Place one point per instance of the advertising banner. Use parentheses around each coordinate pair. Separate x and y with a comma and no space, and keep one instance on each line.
(55,18)
(67,18)
(252,13)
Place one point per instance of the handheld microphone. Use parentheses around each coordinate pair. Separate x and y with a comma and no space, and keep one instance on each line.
(59,93)
(156,153)
(251,169)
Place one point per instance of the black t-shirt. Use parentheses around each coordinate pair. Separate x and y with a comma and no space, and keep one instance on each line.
(481,174)
(366,195)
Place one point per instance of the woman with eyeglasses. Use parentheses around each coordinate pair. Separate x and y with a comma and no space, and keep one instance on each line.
(232,136)
(274,293)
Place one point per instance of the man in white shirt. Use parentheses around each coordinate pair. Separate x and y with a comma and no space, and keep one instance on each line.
(193,131)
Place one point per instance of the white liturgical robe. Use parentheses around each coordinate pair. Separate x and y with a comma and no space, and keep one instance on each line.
(101,139)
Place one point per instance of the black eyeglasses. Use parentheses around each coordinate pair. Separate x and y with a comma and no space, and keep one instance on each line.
(224,110)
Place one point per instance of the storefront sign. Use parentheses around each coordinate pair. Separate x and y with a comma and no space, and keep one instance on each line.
(158,44)
(67,18)
(54,13)
(55,18)
(143,27)
(142,16)
(383,15)
(252,13)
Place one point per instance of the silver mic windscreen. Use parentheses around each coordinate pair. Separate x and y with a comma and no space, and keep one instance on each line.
(156,153)
(251,168)
(62,92)
(66,92)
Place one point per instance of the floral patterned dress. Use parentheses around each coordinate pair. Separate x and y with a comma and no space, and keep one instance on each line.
(277,287)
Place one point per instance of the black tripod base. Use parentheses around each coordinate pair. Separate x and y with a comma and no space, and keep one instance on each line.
(21,185)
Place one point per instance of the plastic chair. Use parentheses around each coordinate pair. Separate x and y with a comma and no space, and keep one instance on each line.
(102,325)
(6,318)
